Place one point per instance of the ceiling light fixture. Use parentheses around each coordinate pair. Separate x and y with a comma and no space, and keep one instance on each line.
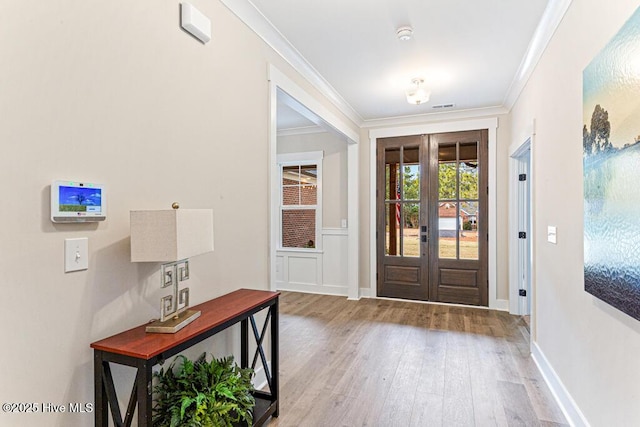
(404,33)
(418,94)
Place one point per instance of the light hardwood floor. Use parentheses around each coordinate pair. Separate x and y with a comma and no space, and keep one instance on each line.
(391,363)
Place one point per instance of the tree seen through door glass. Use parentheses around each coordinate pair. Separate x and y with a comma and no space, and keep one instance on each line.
(402,201)
(458,201)
(411,230)
(411,211)
(447,181)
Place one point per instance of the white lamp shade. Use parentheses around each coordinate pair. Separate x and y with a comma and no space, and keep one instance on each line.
(170,235)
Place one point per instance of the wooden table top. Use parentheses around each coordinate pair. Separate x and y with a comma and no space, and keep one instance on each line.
(138,343)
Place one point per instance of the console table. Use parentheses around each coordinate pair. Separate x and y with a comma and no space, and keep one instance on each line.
(143,350)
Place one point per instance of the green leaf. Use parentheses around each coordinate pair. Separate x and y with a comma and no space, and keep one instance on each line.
(200,393)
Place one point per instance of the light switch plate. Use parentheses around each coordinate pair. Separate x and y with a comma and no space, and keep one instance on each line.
(76,254)
(552,234)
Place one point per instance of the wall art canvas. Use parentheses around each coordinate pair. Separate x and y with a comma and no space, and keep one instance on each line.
(611,158)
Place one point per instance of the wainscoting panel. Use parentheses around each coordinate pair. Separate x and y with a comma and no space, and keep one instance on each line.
(320,272)
(334,267)
(303,268)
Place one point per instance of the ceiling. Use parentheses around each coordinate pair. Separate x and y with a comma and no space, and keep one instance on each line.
(289,117)
(470,52)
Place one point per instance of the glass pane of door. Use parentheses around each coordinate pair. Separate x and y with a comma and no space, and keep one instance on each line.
(448,230)
(468,171)
(469,234)
(393,214)
(392,237)
(447,180)
(469,200)
(458,201)
(411,230)
(411,173)
(392,163)
(402,201)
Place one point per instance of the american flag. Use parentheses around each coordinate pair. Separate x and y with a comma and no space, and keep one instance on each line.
(398,206)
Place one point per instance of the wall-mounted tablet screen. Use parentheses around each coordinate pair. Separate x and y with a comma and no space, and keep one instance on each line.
(73,201)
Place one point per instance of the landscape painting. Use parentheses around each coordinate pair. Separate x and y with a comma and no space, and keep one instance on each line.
(80,199)
(611,158)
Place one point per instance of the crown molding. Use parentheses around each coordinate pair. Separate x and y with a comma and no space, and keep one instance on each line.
(259,24)
(434,117)
(548,25)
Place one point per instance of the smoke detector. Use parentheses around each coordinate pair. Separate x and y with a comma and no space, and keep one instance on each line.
(404,33)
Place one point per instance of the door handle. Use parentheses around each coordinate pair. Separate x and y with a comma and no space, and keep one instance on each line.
(424,234)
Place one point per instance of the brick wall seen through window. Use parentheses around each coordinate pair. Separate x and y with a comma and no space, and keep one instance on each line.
(299,206)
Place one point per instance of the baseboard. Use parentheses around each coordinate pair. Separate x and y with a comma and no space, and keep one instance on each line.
(313,289)
(501,304)
(569,408)
(365,292)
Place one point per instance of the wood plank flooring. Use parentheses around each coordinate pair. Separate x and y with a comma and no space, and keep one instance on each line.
(392,363)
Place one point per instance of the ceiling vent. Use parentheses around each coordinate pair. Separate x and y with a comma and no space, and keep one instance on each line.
(441,106)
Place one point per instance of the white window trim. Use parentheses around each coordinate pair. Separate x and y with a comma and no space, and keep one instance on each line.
(299,159)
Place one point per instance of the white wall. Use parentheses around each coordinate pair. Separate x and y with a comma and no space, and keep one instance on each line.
(593,348)
(115,92)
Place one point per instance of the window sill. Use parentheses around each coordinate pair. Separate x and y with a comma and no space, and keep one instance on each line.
(301,250)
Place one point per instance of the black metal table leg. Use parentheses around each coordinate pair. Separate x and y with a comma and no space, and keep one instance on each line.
(275,368)
(101,418)
(244,343)
(144,391)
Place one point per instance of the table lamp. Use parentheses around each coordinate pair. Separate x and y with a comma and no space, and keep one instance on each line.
(171,237)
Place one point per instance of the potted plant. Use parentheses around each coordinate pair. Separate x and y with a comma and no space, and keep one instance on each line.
(203,394)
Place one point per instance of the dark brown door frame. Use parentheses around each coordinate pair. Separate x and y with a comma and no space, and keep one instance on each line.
(430,269)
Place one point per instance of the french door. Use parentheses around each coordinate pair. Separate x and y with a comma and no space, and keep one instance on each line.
(432,217)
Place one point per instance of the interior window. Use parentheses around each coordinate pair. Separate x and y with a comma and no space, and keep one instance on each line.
(299,205)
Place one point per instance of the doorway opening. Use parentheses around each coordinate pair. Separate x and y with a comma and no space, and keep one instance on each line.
(432,222)
(521,233)
(323,258)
